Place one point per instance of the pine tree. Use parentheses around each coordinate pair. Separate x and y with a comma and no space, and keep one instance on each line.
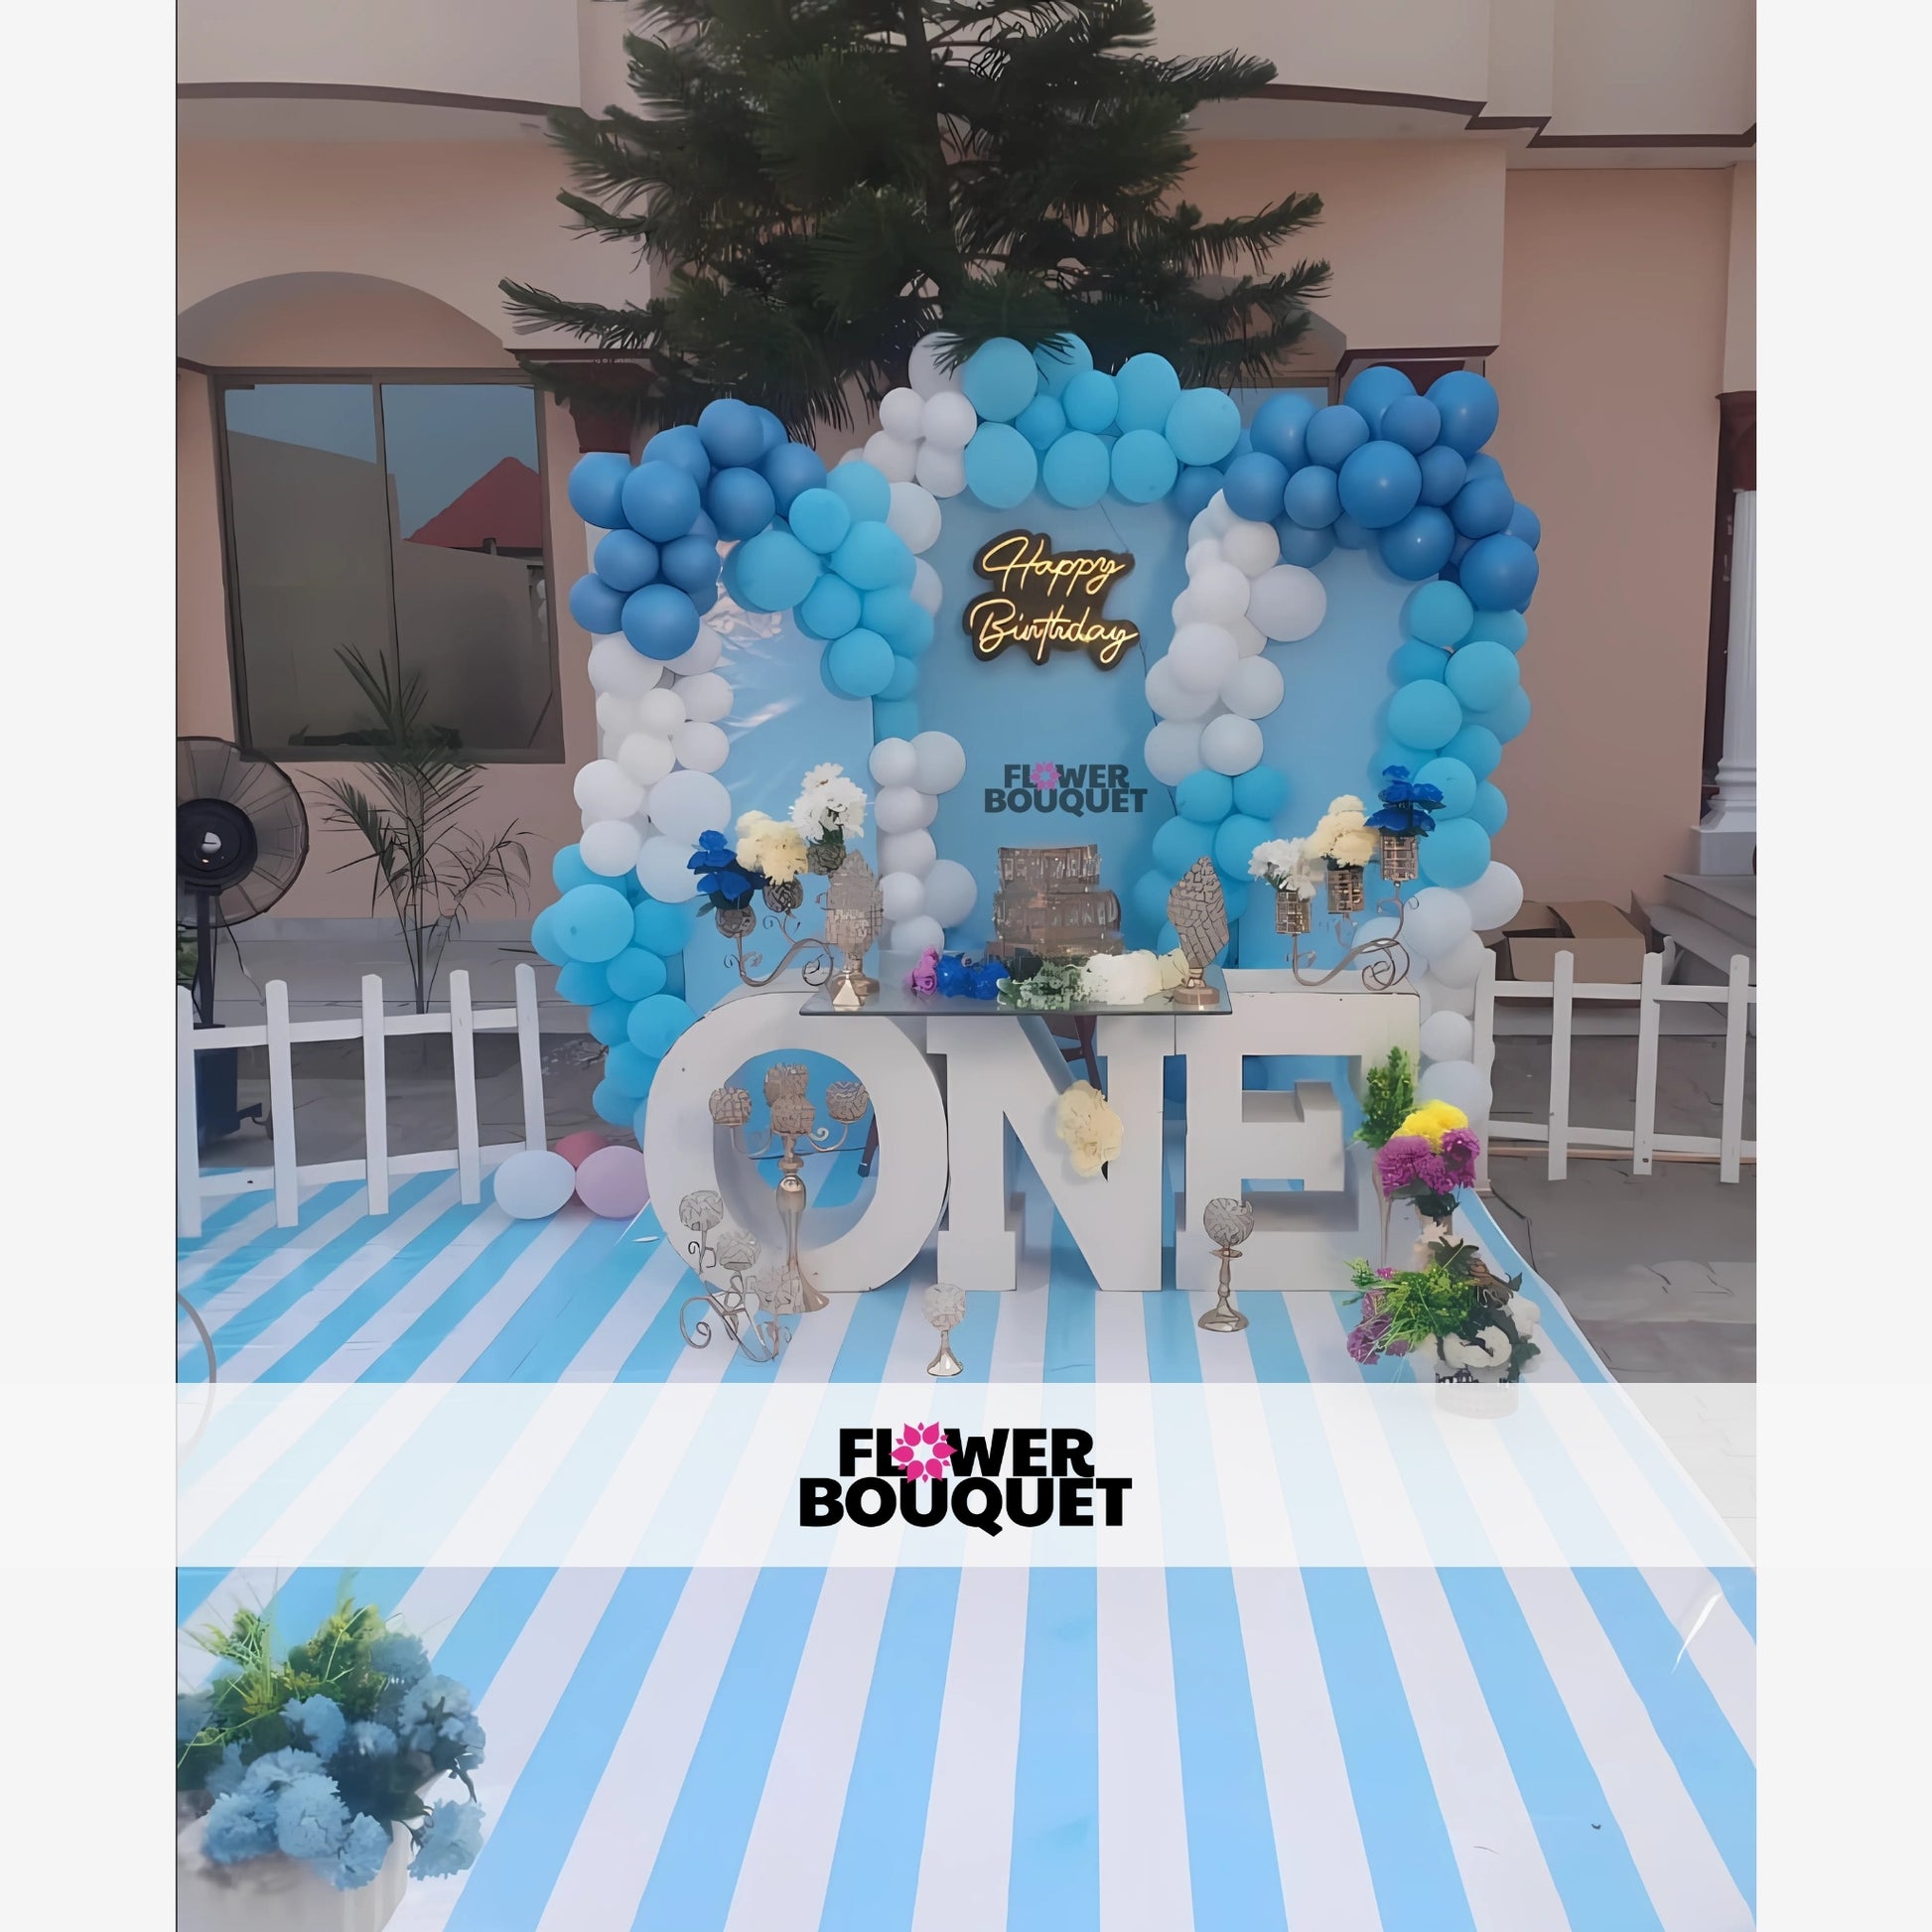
(820,183)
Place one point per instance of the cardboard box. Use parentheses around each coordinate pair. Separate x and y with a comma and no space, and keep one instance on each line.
(1608,950)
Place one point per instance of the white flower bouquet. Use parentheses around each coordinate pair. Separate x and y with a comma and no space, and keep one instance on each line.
(828,811)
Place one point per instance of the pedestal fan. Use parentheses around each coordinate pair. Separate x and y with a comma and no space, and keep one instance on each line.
(240,837)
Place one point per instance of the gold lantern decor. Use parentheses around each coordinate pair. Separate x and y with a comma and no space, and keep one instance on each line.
(1396,853)
(1292,911)
(1345,893)
(855,910)
(1200,914)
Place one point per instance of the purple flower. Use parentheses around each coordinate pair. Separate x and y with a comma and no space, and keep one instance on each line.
(924,977)
(1366,1341)
(1399,1163)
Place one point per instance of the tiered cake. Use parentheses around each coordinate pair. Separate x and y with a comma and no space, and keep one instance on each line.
(1051,902)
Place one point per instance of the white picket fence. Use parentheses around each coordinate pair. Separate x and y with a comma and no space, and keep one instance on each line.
(1558,1133)
(375,1027)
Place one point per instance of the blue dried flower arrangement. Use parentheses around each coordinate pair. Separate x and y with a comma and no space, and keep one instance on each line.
(1407,806)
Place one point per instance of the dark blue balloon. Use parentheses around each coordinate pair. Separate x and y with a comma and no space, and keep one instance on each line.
(1413,421)
(1313,497)
(1351,534)
(1419,546)
(626,561)
(1525,523)
(660,500)
(596,487)
(691,563)
(731,433)
(1333,434)
(1379,485)
(595,606)
(741,502)
(1373,390)
(1444,472)
(1254,486)
(661,621)
(1485,464)
(1194,489)
(1303,547)
(1281,426)
(681,444)
(1499,573)
(773,430)
(790,468)
(1469,409)
(1482,508)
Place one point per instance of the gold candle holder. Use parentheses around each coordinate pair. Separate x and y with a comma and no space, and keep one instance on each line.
(1345,893)
(1199,915)
(1397,855)
(1292,911)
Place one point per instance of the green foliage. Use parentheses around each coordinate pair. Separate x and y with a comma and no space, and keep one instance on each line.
(1053,988)
(419,788)
(820,183)
(1391,1098)
(1455,1294)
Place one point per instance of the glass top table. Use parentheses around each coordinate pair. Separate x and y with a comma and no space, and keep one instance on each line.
(895,1001)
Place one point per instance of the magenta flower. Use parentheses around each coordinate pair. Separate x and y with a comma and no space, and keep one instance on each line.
(1400,1163)
(924,977)
(1047,776)
(1366,1341)
(921,1451)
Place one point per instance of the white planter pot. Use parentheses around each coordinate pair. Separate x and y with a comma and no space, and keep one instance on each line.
(278,1893)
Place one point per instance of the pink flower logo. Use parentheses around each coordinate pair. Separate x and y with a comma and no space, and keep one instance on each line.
(1047,776)
(922,1451)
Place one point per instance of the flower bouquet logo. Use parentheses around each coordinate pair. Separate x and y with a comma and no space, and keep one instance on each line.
(1023,1477)
(1047,601)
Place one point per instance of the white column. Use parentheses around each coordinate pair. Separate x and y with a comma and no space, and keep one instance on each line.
(1728,838)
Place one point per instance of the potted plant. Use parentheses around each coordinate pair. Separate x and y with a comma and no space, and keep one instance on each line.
(1342,840)
(828,811)
(1293,872)
(1465,1321)
(302,1779)
(1404,821)
(1431,1155)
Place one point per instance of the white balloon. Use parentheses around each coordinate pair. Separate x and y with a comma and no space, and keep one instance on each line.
(922,369)
(943,472)
(1494,899)
(1230,744)
(1287,603)
(1252,547)
(899,414)
(911,852)
(948,420)
(894,460)
(1447,1036)
(929,808)
(616,715)
(665,867)
(1461,1084)
(689,803)
(914,516)
(533,1184)
(1201,655)
(902,895)
(1438,998)
(941,758)
(1167,697)
(702,747)
(951,892)
(894,761)
(1172,751)
(1462,964)
(1213,521)
(707,697)
(646,756)
(1188,609)
(1247,639)
(1253,688)
(606,791)
(897,808)
(610,846)
(1436,921)
(616,669)
(1218,591)
(916,935)
(702,656)
(1378,928)
(927,592)
(662,711)
(1207,551)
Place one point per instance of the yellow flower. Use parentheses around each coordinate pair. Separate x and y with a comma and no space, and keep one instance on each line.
(1089,1126)
(768,846)
(1433,1120)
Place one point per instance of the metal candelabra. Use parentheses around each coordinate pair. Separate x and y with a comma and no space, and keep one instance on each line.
(1227,1223)
(739,1305)
(1386,957)
(781,904)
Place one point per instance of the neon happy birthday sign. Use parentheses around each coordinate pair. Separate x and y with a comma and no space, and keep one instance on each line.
(1047,601)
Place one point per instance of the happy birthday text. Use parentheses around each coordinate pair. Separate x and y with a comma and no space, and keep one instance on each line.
(1048,599)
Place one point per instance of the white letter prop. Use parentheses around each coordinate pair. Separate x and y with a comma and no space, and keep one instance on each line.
(858,1246)
(1234,1135)
(996,1073)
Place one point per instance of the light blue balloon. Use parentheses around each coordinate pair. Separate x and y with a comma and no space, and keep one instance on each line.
(1043,422)
(1254,486)
(1371,391)
(1469,409)
(1313,497)
(1482,674)
(1000,465)
(1418,547)
(1194,488)
(592,923)
(660,500)
(1203,427)
(1334,434)
(1413,421)
(1490,809)
(1477,746)
(1437,614)
(895,717)
(1455,781)
(1144,465)
(830,609)
(611,1105)
(596,487)
(629,1070)
(583,984)
(904,681)
(1149,897)
(664,930)
(595,606)
(889,611)
(1509,628)
(626,561)
(1482,506)
(1091,399)
(1149,388)
(874,556)
(1351,535)
(861,662)
(1379,484)
(637,973)
(1303,547)
(819,519)
(1416,662)
(1444,472)
(1059,359)
(567,869)
(1455,853)
(657,1022)
(1525,523)
(1499,573)
(863,490)
(1000,379)
(661,621)
(1261,791)
(1234,891)
(1425,715)
(1204,796)
(911,637)
(1281,426)
(1234,845)
(773,571)
(1077,470)
(1508,715)
(1179,843)
(609,1020)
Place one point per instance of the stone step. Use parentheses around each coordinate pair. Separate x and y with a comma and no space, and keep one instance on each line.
(1725,900)
(1699,939)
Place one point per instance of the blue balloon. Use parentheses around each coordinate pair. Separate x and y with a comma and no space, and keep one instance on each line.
(1333,435)
(1143,465)
(1059,359)
(596,487)
(1204,796)
(1437,614)
(660,620)
(1193,488)
(1373,390)
(1149,896)
(1413,421)
(730,433)
(683,446)
(1416,662)
(1091,400)
(861,662)
(1254,486)
(891,612)
(1508,715)
(1425,715)
(1000,465)
(657,1022)
(1313,497)
(607,1020)
(1482,674)
(830,609)
(1261,791)
(1351,535)
(546,935)
(1303,547)
(1203,427)
(773,571)
(611,1105)
(691,563)
(1444,472)
(1149,388)
(1178,843)
(1378,485)
(567,869)
(637,973)
(703,598)
(773,430)
(662,928)
(1281,426)
(660,500)
(819,521)
(628,1070)
(583,984)
(1234,891)
(904,681)
(626,561)
(1455,781)
(1525,523)
(1418,547)
(741,502)
(1469,409)
(592,923)
(1000,379)
(703,526)
(595,606)
(1490,809)
(1477,746)
(1507,627)
(1482,508)
(872,556)
(1077,468)
(1499,573)
(1234,845)
(1485,464)
(1043,422)
(862,489)
(790,468)
(895,717)
(1455,853)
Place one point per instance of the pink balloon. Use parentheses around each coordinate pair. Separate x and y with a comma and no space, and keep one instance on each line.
(611,1183)
(578,1148)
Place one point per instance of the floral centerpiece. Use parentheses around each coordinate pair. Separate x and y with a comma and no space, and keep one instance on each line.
(1431,1155)
(320,1759)
(1404,821)
(773,851)
(1464,1320)
(1295,872)
(828,811)
(727,883)
(1342,841)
